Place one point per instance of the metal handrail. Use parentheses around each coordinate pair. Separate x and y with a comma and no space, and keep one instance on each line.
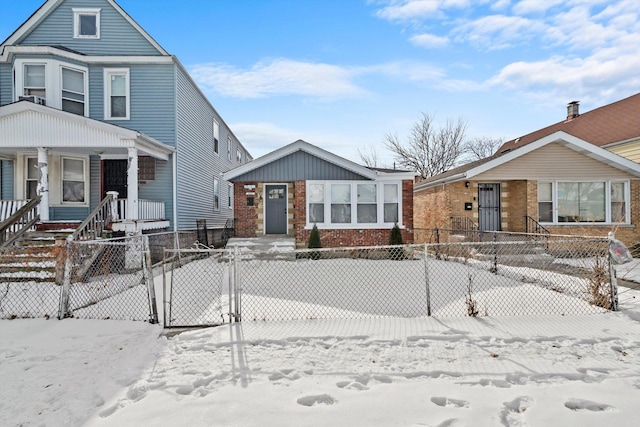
(463,223)
(19,223)
(534,227)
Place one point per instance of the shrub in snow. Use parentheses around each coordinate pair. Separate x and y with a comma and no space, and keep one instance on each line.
(395,238)
(314,242)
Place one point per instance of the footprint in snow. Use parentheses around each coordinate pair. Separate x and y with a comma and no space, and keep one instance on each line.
(320,399)
(450,403)
(587,405)
(453,422)
(495,383)
(513,412)
(352,385)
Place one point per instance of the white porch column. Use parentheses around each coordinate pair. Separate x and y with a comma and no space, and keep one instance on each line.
(132,185)
(43,183)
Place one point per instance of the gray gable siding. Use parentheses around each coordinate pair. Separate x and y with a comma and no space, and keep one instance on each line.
(6,179)
(117,35)
(152,91)
(299,166)
(68,214)
(197,164)
(6,84)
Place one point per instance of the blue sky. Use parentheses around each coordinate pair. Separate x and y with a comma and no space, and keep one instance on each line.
(341,74)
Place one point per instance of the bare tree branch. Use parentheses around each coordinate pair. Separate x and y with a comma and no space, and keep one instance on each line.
(429,151)
(482,147)
(369,158)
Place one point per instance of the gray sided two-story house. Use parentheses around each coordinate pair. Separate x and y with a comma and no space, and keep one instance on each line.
(90,104)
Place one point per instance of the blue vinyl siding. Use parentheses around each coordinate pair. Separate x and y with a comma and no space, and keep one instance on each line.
(152,92)
(117,35)
(197,162)
(6,179)
(6,84)
(299,166)
(95,182)
(68,214)
(161,188)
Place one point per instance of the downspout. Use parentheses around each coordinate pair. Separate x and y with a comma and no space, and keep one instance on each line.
(175,190)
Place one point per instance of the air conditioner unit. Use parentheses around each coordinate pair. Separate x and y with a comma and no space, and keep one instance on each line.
(35,99)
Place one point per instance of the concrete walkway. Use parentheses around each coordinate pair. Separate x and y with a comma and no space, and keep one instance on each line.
(272,246)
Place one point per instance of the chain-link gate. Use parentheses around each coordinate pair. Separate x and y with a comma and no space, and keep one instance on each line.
(196,285)
(558,276)
(109,279)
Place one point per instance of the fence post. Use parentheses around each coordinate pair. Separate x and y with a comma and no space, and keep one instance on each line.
(237,288)
(66,283)
(494,270)
(426,279)
(613,282)
(147,274)
(165,302)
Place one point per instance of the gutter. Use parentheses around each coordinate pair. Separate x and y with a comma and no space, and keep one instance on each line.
(445,180)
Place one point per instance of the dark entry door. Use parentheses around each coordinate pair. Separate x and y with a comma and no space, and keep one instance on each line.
(276,209)
(114,177)
(489,207)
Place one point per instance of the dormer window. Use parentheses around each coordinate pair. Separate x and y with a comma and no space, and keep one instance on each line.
(86,23)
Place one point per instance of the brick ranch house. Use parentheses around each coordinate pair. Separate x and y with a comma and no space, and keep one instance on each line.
(292,188)
(568,178)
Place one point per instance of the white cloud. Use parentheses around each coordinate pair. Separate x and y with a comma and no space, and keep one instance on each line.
(429,40)
(408,10)
(278,77)
(497,31)
(406,70)
(524,7)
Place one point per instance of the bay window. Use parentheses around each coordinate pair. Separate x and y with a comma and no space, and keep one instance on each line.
(353,204)
(583,202)
(34,80)
(73,91)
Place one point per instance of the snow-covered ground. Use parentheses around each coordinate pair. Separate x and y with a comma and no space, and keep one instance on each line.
(486,371)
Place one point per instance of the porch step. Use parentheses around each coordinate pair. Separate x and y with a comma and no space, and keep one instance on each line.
(29,264)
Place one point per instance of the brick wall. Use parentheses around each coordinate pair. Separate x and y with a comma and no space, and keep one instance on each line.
(246,216)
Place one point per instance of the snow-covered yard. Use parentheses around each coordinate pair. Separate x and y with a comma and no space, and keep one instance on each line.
(502,371)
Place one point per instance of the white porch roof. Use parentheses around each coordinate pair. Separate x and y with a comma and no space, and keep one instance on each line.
(25,126)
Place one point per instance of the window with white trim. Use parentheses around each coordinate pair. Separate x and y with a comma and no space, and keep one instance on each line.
(116,94)
(230,194)
(32,175)
(238,155)
(584,202)
(229,144)
(86,23)
(73,90)
(353,204)
(216,136)
(73,180)
(34,80)
(216,193)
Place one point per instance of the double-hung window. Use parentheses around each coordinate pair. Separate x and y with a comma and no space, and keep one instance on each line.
(583,202)
(391,195)
(367,206)
(216,193)
(86,23)
(230,195)
(73,82)
(229,148)
(73,180)
(238,155)
(34,80)
(116,96)
(316,203)
(32,178)
(216,136)
(341,203)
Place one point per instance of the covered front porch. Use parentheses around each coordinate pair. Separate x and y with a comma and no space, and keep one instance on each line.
(73,163)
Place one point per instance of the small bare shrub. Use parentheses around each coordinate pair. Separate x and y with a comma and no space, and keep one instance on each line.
(472,305)
(598,285)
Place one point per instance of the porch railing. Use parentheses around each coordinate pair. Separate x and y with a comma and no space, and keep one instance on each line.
(97,221)
(535,228)
(9,207)
(147,209)
(21,221)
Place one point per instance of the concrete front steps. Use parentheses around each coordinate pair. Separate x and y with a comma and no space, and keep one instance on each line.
(36,257)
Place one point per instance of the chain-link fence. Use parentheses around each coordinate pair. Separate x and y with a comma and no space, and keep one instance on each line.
(109,279)
(28,281)
(196,285)
(501,277)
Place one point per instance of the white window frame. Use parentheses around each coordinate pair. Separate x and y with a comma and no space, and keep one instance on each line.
(53,80)
(354,224)
(238,155)
(26,175)
(607,202)
(85,84)
(84,179)
(108,72)
(77,13)
(229,145)
(216,137)
(216,194)
(230,194)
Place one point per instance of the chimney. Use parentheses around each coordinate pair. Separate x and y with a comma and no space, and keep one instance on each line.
(573,110)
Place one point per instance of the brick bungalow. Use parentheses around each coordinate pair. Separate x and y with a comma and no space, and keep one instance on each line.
(292,188)
(568,178)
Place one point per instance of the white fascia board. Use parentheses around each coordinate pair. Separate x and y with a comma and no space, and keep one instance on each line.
(300,146)
(389,176)
(9,51)
(447,180)
(154,147)
(33,20)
